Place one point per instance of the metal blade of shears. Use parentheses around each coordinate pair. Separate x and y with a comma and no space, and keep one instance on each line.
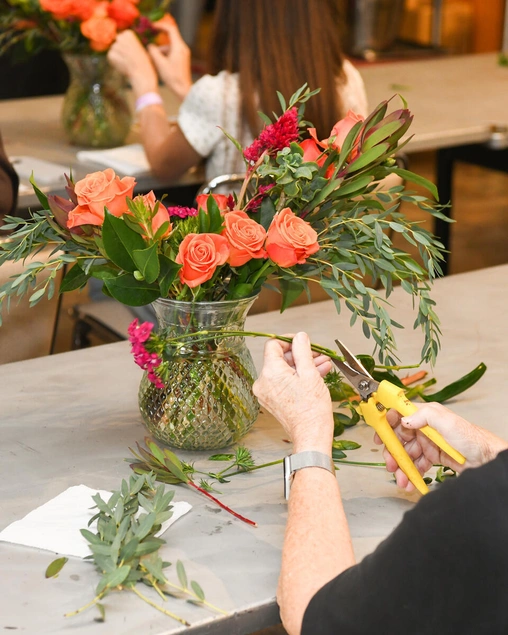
(355,372)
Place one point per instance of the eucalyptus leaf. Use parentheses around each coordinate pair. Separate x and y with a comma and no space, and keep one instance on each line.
(55,567)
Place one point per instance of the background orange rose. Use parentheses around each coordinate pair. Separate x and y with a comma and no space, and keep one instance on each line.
(100,31)
(220,199)
(123,12)
(200,255)
(291,240)
(246,238)
(96,191)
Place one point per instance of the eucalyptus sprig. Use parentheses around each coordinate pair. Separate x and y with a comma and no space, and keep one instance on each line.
(125,547)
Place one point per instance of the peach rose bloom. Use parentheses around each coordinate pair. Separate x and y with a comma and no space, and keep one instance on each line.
(96,191)
(220,199)
(200,255)
(312,152)
(246,238)
(100,31)
(162,215)
(339,133)
(291,240)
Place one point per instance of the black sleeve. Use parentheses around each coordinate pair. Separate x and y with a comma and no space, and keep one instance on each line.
(9,183)
(443,570)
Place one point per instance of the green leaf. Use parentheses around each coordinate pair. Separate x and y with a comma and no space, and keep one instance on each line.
(345,445)
(221,457)
(55,567)
(145,526)
(243,290)
(290,290)
(266,212)
(419,180)
(198,590)
(102,612)
(381,134)
(216,219)
(367,158)
(182,576)
(120,241)
(147,262)
(113,579)
(127,290)
(204,221)
(75,278)
(148,546)
(43,199)
(168,272)
(35,297)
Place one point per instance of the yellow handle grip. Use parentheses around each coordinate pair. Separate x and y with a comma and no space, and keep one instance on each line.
(392,396)
(377,419)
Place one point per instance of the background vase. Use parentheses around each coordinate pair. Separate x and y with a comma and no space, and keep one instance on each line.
(96,111)
(207,401)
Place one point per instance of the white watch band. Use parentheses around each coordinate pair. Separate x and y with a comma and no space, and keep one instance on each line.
(310,458)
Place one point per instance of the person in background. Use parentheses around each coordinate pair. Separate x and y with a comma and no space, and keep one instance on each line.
(9,183)
(444,569)
(258,47)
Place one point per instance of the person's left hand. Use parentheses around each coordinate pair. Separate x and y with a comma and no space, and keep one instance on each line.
(291,387)
(130,58)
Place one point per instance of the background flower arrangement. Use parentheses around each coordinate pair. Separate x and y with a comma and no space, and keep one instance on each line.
(76,26)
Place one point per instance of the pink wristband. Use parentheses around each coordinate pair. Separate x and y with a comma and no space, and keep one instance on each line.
(148,99)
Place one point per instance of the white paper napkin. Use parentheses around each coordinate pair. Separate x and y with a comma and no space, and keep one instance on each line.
(55,525)
(130,159)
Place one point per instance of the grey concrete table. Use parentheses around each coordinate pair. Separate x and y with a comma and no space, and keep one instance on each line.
(69,419)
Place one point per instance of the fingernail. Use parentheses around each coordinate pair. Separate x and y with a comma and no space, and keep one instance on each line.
(407,420)
(300,337)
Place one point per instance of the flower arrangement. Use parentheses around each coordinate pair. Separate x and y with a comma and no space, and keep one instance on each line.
(77,26)
(307,210)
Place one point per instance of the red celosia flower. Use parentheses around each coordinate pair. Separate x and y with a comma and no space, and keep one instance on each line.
(275,137)
(255,202)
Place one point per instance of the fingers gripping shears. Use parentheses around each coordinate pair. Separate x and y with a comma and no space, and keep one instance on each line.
(376,399)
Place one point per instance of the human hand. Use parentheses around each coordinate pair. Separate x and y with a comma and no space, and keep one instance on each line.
(172,61)
(130,58)
(291,387)
(476,444)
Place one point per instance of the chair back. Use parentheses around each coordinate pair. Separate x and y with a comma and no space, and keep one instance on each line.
(27,332)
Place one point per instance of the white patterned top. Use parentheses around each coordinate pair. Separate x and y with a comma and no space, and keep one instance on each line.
(213,103)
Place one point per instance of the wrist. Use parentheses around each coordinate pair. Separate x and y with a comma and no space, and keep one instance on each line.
(151,98)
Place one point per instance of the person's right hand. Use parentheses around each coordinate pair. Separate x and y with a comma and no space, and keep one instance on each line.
(476,444)
(173,61)
(130,58)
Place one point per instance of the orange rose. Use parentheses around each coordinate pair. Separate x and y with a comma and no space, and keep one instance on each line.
(339,133)
(123,12)
(312,152)
(99,190)
(200,255)
(100,31)
(220,199)
(60,9)
(291,240)
(149,201)
(246,238)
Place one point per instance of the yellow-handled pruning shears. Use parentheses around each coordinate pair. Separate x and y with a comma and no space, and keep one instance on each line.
(376,399)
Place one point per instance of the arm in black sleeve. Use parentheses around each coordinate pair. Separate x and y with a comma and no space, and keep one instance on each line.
(444,569)
(9,183)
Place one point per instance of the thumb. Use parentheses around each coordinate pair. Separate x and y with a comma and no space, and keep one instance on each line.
(157,56)
(302,354)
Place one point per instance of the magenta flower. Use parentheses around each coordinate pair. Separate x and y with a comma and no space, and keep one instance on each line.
(275,137)
(139,334)
(182,212)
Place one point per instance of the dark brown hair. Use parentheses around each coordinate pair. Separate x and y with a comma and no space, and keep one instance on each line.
(278,45)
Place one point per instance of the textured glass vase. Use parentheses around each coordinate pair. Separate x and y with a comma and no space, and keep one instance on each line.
(207,401)
(96,112)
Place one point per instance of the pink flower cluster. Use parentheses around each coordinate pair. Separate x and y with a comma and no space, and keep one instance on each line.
(274,137)
(182,212)
(139,334)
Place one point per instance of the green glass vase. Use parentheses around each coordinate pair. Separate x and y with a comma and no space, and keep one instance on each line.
(96,111)
(207,401)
